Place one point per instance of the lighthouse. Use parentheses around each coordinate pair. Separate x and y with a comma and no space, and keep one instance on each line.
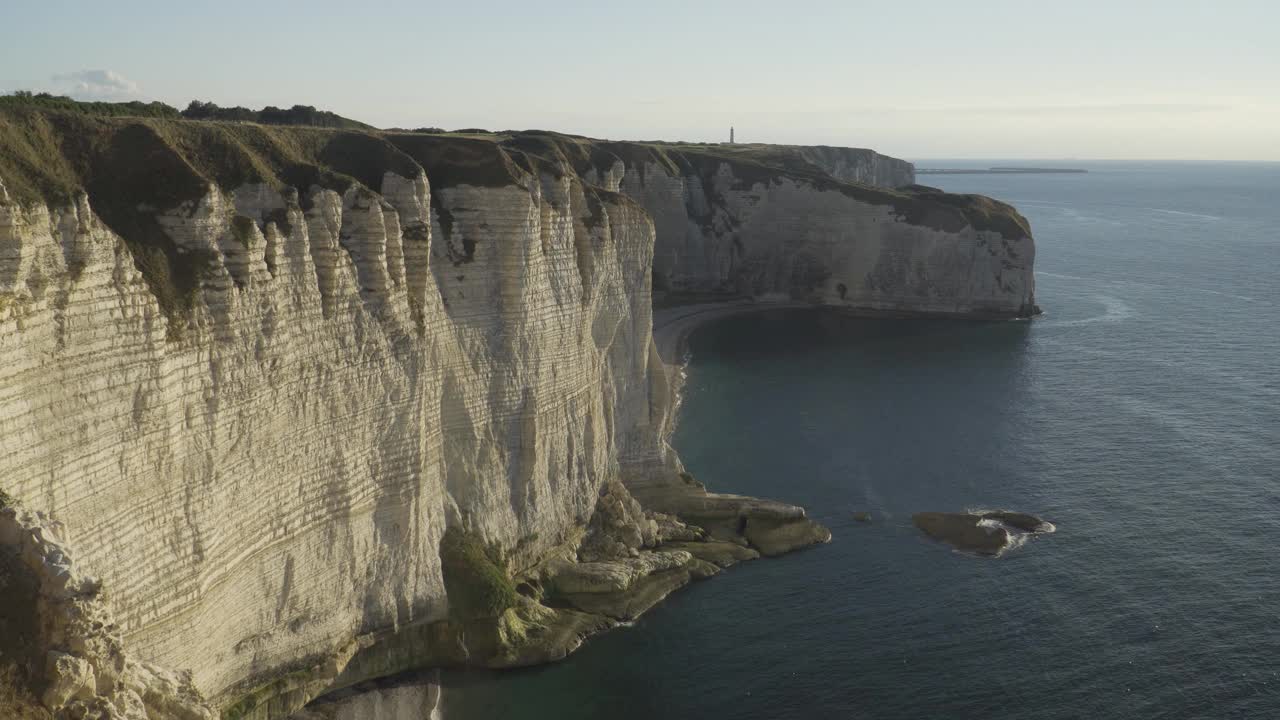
(730,134)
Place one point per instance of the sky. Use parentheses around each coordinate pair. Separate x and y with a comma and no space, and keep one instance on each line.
(912,78)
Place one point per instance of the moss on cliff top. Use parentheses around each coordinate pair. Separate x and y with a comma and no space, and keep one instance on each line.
(917,205)
(768,165)
(451,161)
(35,163)
(231,153)
(47,155)
(135,168)
(129,168)
(779,157)
(46,101)
(982,212)
(297,115)
(301,115)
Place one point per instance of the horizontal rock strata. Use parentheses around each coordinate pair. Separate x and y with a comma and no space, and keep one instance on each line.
(259,376)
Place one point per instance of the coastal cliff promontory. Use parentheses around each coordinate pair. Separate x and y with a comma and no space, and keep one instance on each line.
(283,409)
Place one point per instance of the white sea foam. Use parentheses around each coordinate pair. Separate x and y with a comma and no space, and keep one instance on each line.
(1184,214)
(1136,284)
(1222,294)
(1041,273)
(1039,203)
(1115,310)
(1045,525)
(1016,540)
(1017,536)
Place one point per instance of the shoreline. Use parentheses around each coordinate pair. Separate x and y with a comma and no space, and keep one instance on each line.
(593,595)
(672,326)
(700,534)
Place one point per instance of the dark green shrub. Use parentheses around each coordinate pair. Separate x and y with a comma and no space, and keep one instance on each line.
(477,585)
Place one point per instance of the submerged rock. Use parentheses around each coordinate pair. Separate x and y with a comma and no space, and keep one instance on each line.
(862,517)
(963,531)
(984,533)
(1021,521)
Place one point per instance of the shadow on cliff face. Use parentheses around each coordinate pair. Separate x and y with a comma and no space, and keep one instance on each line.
(779,333)
(20,660)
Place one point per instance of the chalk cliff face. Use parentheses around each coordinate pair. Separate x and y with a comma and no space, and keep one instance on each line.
(732,227)
(251,378)
(859,165)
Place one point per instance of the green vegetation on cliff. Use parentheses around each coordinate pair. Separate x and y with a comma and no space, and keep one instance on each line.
(299,115)
(135,168)
(765,166)
(238,149)
(45,101)
(139,160)
(477,585)
(304,115)
(982,212)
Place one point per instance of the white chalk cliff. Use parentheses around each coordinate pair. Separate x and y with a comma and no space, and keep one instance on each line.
(252,378)
(728,225)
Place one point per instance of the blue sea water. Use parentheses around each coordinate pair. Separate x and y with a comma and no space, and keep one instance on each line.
(1141,414)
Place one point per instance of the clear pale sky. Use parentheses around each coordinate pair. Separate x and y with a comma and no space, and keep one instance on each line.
(1118,79)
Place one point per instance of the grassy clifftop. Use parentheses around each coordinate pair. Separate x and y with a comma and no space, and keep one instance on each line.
(769,164)
(134,168)
(136,160)
(48,155)
(150,153)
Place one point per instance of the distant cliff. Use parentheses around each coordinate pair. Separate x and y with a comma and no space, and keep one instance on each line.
(860,166)
(282,409)
(766,222)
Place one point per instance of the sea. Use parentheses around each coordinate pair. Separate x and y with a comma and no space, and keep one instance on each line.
(1140,415)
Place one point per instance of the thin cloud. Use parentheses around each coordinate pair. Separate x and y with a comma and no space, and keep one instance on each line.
(1095,108)
(96,85)
(873,110)
(1086,110)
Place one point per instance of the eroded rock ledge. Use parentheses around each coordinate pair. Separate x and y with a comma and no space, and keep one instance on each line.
(58,639)
(280,388)
(627,560)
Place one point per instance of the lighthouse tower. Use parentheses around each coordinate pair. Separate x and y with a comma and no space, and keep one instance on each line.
(730,134)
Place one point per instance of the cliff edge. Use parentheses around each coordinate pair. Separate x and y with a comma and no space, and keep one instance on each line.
(282,408)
